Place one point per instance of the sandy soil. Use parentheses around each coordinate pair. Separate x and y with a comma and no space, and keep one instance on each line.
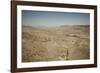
(54,44)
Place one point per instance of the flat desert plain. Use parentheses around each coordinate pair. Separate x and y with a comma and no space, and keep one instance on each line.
(55,43)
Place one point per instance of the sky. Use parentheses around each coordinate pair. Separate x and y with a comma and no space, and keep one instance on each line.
(52,19)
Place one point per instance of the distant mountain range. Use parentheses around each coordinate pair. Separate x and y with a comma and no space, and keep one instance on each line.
(35,27)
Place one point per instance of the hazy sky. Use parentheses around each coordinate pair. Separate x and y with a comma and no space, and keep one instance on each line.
(45,18)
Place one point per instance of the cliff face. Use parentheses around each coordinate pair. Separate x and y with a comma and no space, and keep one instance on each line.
(54,44)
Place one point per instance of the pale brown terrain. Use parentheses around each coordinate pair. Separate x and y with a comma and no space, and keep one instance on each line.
(56,43)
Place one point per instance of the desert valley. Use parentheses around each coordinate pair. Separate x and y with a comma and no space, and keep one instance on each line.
(55,43)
